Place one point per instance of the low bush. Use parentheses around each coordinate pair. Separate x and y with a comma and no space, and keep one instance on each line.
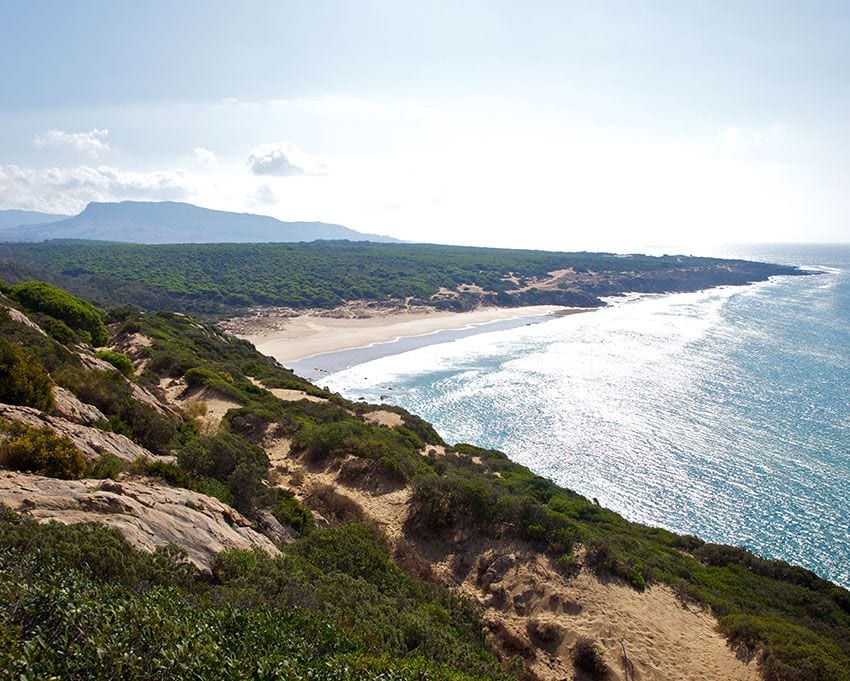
(173,475)
(249,422)
(392,450)
(76,313)
(288,510)
(58,330)
(119,360)
(39,450)
(23,381)
(201,377)
(785,650)
(336,508)
(79,602)
(110,392)
(107,466)
(44,350)
(233,461)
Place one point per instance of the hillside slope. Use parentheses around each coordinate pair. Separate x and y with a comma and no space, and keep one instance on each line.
(380,551)
(167,222)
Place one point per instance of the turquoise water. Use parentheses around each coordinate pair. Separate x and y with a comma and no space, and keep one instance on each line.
(724,413)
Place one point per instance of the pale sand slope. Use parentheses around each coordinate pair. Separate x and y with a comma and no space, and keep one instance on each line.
(303,336)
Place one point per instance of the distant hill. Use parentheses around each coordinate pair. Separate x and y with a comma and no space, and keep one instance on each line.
(169,222)
(17,218)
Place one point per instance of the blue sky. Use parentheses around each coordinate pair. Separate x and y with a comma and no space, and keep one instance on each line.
(558,125)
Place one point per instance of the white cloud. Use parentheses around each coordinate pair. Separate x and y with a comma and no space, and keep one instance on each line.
(734,136)
(205,156)
(282,159)
(92,142)
(263,196)
(68,190)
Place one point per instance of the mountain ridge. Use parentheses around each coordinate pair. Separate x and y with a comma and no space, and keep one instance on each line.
(18,218)
(152,222)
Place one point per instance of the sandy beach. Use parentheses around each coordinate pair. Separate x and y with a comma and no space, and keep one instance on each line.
(292,338)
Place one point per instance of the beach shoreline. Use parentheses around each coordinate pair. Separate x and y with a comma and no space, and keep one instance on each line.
(291,338)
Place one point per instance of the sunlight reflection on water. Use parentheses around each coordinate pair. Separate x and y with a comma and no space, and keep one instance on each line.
(722,413)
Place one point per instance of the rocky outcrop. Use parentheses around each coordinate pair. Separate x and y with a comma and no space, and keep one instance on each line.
(21,318)
(138,393)
(68,406)
(148,515)
(90,441)
(92,362)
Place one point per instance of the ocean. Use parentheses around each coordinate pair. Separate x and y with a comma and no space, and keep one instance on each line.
(723,413)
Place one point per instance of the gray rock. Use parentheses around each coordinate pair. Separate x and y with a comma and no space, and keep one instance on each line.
(148,515)
(21,318)
(69,406)
(90,441)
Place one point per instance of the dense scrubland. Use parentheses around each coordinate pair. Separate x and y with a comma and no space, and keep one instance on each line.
(221,278)
(335,603)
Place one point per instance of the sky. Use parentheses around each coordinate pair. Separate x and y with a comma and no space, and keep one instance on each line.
(559,125)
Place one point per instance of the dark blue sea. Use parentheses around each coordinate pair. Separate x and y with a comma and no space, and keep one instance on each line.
(724,413)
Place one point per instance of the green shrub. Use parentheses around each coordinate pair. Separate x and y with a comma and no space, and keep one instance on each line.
(22,379)
(173,475)
(39,450)
(286,509)
(40,296)
(213,488)
(168,472)
(96,549)
(785,650)
(110,392)
(249,422)
(119,360)
(290,383)
(391,449)
(58,330)
(107,466)
(437,503)
(202,377)
(171,363)
(79,602)
(121,313)
(44,350)
(230,459)
(150,428)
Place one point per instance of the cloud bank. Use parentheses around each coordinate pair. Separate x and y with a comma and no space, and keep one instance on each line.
(68,190)
(92,142)
(283,159)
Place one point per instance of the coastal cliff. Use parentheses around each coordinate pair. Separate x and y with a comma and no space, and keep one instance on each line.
(232,500)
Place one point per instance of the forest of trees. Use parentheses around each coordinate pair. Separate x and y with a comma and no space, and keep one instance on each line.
(217,277)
